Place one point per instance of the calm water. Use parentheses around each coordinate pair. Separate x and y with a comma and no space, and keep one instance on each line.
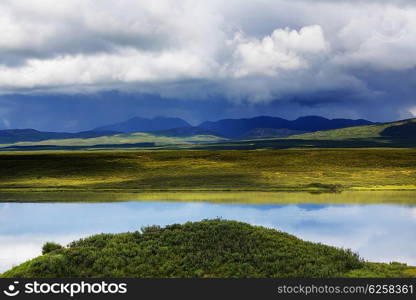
(378,232)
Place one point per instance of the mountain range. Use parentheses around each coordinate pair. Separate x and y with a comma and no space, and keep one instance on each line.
(185,132)
(393,134)
(234,128)
(249,128)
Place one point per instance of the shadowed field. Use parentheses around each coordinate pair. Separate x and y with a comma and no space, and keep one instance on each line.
(329,170)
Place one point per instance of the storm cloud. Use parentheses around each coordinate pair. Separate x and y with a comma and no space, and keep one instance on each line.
(253,51)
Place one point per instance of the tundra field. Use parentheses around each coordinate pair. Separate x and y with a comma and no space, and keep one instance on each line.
(318,170)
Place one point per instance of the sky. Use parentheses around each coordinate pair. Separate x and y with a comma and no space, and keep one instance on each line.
(73,65)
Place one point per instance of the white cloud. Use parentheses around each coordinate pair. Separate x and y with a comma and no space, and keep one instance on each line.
(127,65)
(284,49)
(384,38)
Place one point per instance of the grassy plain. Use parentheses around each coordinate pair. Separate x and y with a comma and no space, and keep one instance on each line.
(319,170)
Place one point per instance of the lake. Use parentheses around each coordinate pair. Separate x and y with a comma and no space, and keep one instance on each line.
(378,232)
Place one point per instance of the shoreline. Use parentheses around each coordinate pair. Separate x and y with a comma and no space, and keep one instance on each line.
(390,196)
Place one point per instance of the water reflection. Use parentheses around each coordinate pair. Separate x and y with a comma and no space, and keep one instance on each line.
(377,232)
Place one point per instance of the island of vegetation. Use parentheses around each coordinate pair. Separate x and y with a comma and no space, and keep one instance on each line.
(206,249)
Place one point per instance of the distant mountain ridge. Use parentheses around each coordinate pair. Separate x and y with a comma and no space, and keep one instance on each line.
(184,132)
(234,128)
(252,128)
(393,134)
(266,133)
(138,124)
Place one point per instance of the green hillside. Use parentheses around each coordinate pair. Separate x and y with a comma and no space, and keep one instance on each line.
(9,136)
(120,139)
(400,129)
(210,248)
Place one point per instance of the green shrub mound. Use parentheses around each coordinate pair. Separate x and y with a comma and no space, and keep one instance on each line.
(50,246)
(210,248)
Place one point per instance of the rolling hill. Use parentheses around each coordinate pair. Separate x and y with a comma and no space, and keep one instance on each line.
(236,128)
(405,129)
(31,135)
(140,139)
(138,124)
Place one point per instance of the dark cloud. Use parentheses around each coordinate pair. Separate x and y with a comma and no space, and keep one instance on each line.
(225,57)
(77,112)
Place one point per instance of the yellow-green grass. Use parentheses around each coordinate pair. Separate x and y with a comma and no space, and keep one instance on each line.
(357,132)
(383,270)
(268,170)
(118,139)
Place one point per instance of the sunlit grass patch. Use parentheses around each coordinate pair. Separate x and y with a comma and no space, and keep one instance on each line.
(212,170)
